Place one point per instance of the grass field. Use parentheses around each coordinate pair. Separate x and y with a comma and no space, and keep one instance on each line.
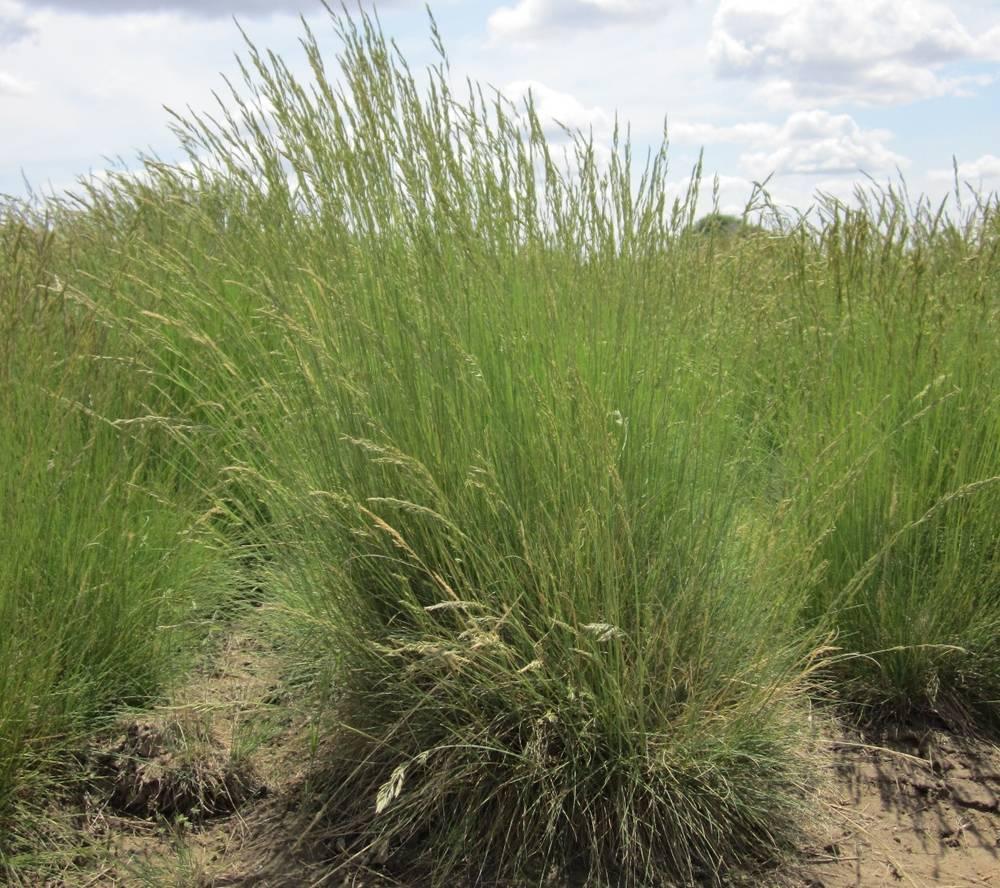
(578,512)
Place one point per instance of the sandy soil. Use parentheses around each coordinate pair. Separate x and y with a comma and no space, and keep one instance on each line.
(919,809)
(204,793)
(196,794)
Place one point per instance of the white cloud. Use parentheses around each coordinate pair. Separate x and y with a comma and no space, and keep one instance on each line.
(556,108)
(98,87)
(835,51)
(206,8)
(98,82)
(815,143)
(13,86)
(532,18)
(791,194)
(989,44)
(14,24)
(987,166)
(710,133)
(984,170)
(734,192)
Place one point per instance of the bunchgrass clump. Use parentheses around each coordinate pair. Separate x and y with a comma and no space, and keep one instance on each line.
(893,439)
(504,477)
(104,561)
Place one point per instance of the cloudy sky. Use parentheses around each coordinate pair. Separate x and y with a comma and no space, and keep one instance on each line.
(816,92)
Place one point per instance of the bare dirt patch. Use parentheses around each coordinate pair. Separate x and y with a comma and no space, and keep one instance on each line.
(916,809)
(195,794)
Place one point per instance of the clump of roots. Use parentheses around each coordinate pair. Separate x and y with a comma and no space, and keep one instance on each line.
(174,769)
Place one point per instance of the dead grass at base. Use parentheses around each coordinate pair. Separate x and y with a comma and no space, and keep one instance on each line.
(174,769)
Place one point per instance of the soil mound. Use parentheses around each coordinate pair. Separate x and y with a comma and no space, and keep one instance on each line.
(174,769)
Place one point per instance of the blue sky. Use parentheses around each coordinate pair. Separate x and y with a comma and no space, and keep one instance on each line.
(815,92)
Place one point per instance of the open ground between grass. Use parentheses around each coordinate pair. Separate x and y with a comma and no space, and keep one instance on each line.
(200,790)
(915,807)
